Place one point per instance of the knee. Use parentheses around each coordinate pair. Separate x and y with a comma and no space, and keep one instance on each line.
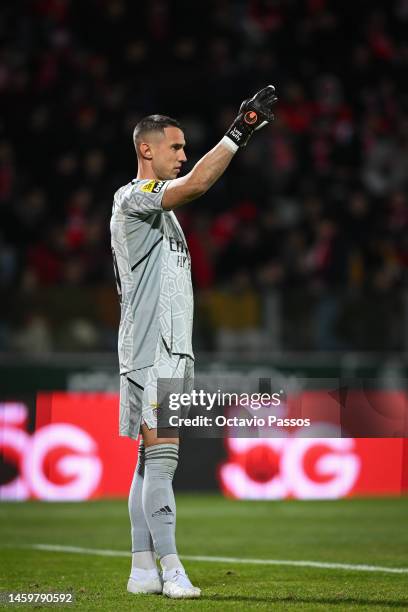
(141,459)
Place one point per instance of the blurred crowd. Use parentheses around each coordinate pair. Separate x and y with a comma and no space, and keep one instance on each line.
(316,203)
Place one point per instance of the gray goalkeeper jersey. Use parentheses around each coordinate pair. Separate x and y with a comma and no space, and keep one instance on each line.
(152,268)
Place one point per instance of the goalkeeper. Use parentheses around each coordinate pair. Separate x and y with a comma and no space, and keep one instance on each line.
(152,269)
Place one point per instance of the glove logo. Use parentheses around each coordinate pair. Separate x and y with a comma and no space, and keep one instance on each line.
(250,117)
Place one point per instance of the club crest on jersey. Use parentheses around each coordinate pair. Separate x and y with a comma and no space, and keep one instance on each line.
(152,186)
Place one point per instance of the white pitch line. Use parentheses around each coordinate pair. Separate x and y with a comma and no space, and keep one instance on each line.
(82,551)
(319,564)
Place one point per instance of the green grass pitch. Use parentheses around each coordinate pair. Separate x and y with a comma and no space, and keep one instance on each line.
(356,531)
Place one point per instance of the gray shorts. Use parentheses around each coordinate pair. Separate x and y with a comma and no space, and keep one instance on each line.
(138,389)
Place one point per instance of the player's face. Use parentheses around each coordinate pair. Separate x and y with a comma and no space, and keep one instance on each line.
(168,154)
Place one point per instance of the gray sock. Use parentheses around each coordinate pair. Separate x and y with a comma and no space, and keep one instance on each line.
(141,538)
(158,498)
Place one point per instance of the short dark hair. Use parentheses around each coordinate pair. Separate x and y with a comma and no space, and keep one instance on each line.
(153,123)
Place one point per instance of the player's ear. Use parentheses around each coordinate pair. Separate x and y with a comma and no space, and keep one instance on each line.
(145,151)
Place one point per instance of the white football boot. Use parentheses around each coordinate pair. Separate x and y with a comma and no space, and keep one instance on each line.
(177,585)
(145,581)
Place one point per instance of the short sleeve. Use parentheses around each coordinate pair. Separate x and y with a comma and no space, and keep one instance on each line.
(143,197)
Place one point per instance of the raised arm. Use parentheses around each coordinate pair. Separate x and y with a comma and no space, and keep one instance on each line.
(253,114)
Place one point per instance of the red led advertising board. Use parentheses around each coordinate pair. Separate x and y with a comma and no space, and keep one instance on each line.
(75,453)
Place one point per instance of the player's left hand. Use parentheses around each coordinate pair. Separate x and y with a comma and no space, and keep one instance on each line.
(254,114)
(260,104)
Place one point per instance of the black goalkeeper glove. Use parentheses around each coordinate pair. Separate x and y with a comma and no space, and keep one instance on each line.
(253,114)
